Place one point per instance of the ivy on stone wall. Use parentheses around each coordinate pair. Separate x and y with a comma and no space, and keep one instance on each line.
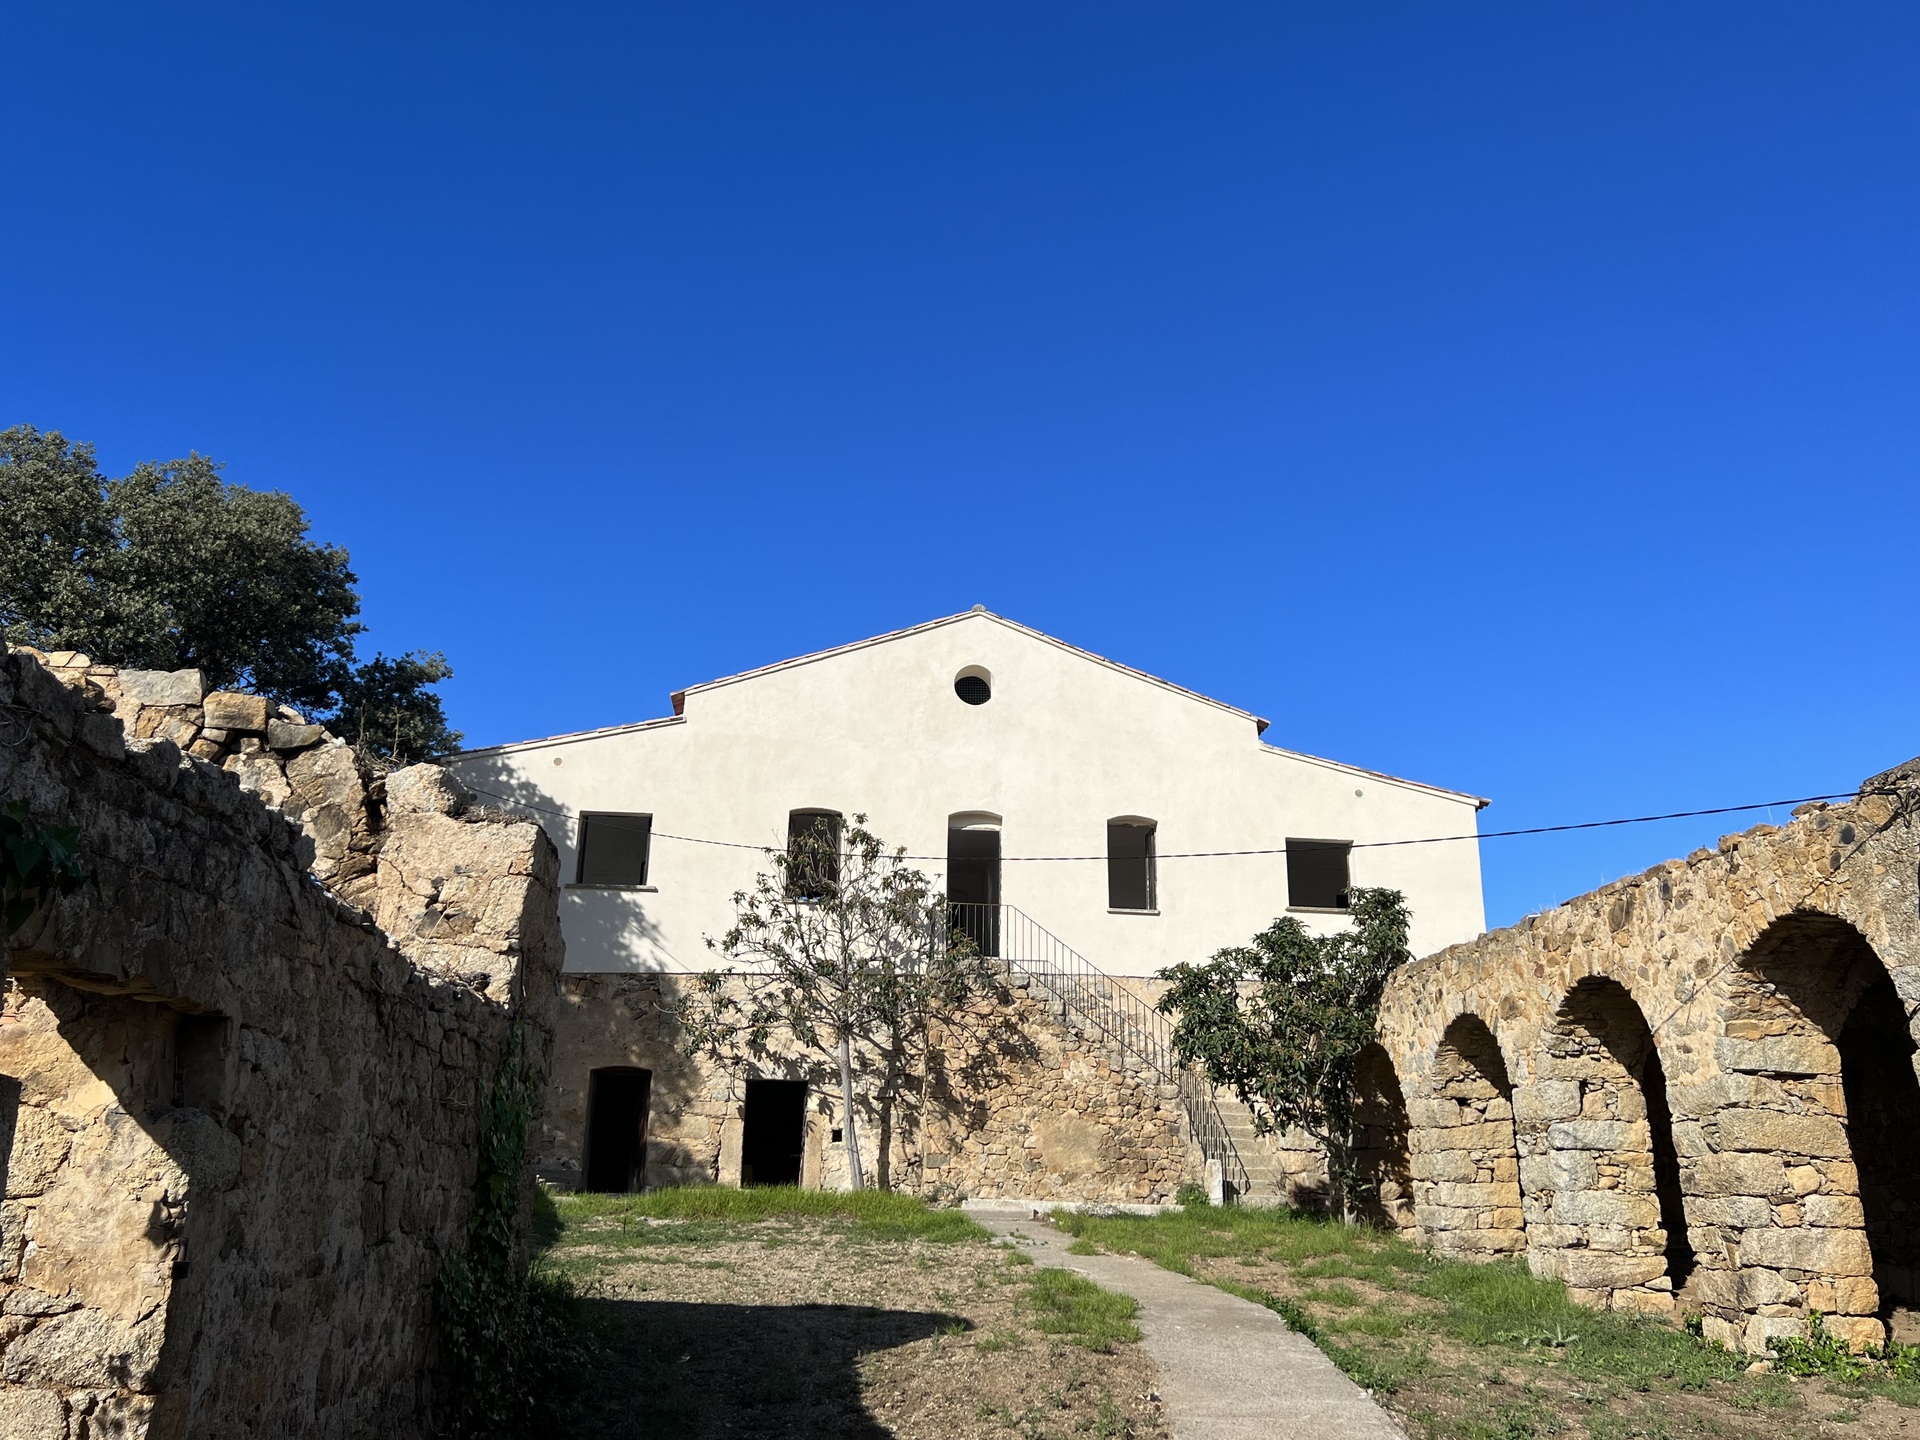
(508,1335)
(37,862)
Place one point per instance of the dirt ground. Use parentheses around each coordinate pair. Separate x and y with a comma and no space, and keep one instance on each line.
(804,1327)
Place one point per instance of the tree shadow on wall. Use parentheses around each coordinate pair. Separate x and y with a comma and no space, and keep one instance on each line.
(979,1048)
(678,1371)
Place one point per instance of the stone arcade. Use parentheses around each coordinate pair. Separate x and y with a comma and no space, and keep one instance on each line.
(1690,1090)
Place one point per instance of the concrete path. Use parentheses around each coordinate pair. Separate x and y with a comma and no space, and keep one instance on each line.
(1229,1369)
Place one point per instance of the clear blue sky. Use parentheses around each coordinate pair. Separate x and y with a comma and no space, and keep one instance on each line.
(1516,397)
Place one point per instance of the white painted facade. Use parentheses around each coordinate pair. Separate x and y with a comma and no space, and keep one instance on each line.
(1067,742)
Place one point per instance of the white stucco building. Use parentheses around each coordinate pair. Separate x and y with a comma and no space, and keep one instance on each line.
(981,745)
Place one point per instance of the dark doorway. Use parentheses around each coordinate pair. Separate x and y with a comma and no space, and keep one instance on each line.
(973,886)
(1383,1169)
(1667,1184)
(1883,1099)
(617,1129)
(774,1133)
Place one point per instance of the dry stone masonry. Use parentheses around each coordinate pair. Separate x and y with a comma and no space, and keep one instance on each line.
(1016,1102)
(239,1068)
(1692,1090)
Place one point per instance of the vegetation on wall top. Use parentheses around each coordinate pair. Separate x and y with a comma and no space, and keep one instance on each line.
(172,568)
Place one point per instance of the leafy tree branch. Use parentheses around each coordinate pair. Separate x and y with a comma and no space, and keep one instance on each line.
(841,952)
(1282,1021)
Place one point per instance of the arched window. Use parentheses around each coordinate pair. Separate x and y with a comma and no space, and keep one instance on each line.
(813,853)
(1131,882)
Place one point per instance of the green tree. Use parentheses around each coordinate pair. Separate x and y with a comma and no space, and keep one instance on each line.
(171,567)
(216,577)
(54,522)
(844,958)
(1282,1022)
(388,708)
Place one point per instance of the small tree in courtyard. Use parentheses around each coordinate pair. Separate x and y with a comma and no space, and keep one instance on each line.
(1282,1022)
(843,955)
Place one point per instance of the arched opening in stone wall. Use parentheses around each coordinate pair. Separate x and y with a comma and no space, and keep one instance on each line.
(1600,1172)
(1814,1165)
(1883,1124)
(1381,1162)
(1467,1169)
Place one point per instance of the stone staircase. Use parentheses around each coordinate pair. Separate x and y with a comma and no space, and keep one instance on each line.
(1261,1158)
(1087,1001)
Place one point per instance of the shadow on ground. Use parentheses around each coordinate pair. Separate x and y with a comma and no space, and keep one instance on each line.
(671,1369)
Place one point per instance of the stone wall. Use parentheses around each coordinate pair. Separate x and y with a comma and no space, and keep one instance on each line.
(239,1114)
(1016,1103)
(1692,1090)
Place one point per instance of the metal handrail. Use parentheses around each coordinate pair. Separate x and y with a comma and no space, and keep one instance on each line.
(1072,983)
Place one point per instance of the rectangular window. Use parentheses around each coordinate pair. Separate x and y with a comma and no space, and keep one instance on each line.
(1130,877)
(1317,874)
(614,849)
(813,853)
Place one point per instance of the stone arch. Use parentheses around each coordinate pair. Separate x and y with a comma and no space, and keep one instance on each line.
(1381,1160)
(1466,1165)
(1599,1168)
(1815,1127)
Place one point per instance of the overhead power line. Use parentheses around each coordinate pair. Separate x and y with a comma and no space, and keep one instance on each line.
(1269,850)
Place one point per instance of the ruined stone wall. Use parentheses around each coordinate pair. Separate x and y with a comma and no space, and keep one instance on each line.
(1692,1090)
(1014,1104)
(239,1116)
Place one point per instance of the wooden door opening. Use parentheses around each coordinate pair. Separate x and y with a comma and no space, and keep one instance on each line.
(773,1135)
(617,1129)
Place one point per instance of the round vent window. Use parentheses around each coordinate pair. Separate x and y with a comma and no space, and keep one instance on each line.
(973,685)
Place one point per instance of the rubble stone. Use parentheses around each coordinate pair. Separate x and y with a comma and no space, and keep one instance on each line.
(241,1116)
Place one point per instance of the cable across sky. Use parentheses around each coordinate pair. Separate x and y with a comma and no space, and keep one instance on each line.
(1267,850)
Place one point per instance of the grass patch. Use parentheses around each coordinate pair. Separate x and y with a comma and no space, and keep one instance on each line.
(878,1214)
(1059,1302)
(1478,1351)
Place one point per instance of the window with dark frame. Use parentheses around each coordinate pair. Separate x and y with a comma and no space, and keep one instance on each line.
(1317,874)
(1131,882)
(813,853)
(614,849)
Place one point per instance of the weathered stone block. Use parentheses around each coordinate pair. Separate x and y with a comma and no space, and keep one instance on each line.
(1606,1207)
(1814,1135)
(1829,1253)
(1596,1135)
(425,789)
(32,1415)
(1546,1100)
(1860,1332)
(1596,1271)
(287,735)
(231,710)
(1766,1287)
(162,687)
(1744,1212)
(1781,1055)
(1840,1212)
(1737,1174)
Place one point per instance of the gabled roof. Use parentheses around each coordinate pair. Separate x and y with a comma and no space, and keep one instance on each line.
(979,612)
